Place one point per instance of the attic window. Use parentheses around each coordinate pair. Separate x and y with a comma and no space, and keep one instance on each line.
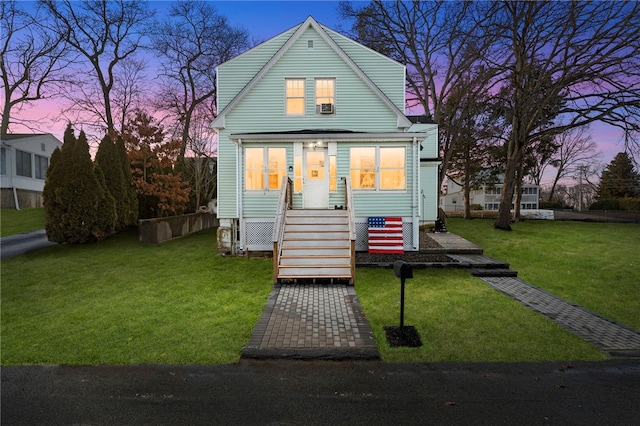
(310,44)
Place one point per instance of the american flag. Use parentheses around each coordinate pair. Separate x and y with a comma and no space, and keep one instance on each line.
(385,235)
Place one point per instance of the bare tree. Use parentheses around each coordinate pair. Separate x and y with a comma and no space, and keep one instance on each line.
(587,53)
(469,125)
(576,151)
(202,168)
(439,42)
(106,34)
(128,90)
(31,59)
(584,192)
(192,43)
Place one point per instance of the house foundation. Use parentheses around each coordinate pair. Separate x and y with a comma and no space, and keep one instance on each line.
(227,237)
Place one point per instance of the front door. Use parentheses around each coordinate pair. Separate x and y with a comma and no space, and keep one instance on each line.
(315,183)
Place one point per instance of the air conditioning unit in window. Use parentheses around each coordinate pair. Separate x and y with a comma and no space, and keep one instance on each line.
(326,108)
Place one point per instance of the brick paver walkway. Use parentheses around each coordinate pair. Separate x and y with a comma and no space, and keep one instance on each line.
(312,321)
(611,337)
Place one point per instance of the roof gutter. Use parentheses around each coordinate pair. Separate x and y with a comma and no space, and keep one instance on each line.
(334,137)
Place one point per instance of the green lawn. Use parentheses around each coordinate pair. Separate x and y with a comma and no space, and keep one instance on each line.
(120,301)
(20,221)
(596,265)
(460,318)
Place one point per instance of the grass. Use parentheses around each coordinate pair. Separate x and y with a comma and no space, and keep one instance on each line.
(123,302)
(459,318)
(20,221)
(596,265)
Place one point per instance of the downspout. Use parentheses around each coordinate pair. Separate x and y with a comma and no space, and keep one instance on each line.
(416,188)
(239,192)
(15,196)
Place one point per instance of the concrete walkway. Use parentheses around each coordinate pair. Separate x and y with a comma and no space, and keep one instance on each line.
(326,321)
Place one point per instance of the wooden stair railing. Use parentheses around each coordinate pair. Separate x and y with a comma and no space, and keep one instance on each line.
(284,204)
(314,244)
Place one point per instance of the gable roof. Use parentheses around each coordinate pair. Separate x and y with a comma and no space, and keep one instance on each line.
(10,139)
(219,121)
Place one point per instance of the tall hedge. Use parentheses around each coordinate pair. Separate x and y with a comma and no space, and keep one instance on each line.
(78,209)
(109,165)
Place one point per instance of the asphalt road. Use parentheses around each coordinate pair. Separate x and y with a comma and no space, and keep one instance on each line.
(325,393)
(22,243)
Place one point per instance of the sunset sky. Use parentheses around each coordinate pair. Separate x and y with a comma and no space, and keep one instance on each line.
(265,19)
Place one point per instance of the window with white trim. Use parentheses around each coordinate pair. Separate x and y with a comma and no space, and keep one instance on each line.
(294,88)
(3,161)
(23,163)
(381,168)
(264,168)
(42,163)
(325,95)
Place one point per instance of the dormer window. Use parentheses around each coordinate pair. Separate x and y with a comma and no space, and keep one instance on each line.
(325,95)
(295,96)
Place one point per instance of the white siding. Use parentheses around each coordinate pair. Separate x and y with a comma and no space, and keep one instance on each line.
(42,145)
(428,187)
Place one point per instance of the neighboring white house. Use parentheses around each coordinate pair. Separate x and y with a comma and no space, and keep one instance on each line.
(486,196)
(315,106)
(23,168)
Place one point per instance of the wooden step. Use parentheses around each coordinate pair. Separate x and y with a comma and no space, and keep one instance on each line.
(314,261)
(320,227)
(315,245)
(333,271)
(314,220)
(319,243)
(316,251)
(329,235)
(316,212)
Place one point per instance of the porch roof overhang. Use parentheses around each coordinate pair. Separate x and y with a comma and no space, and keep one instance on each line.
(327,136)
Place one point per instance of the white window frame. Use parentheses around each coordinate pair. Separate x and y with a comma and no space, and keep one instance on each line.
(378,169)
(287,97)
(265,168)
(331,98)
(40,172)
(19,168)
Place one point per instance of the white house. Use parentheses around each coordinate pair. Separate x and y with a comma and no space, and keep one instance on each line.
(312,124)
(487,197)
(23,168)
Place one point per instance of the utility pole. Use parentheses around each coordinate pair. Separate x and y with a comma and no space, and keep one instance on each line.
(580,171)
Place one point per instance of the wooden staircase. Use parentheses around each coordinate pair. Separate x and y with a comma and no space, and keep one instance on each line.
(315,247)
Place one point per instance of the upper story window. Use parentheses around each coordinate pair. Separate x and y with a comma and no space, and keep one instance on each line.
(23,163)
(295,96)
(265,168)
(325,95)
(382,168)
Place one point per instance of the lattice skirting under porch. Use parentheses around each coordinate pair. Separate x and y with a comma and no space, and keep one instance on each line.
(257,234)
